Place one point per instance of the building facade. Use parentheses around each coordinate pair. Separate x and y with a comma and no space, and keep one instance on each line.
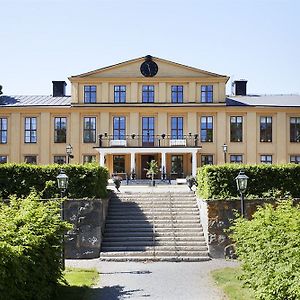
(125,115)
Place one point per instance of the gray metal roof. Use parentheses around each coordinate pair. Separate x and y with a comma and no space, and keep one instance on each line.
(264,100)
(8,101)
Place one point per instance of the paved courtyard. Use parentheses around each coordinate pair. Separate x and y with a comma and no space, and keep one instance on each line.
(155,280)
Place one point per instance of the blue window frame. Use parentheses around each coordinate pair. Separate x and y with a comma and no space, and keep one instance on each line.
(3,130)
(89,130)
(148,131)
(177,93)
(148,94)
(177,128)
(206,93)
(30,135)
(120,93)
(206,129)
(90,94)
(119,128)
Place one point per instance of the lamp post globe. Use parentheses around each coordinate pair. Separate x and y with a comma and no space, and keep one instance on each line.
(62,181)
(241,185)
(225,152)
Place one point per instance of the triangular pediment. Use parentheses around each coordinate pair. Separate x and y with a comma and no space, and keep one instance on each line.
(131,69)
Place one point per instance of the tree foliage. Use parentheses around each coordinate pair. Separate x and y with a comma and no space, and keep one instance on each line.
(269,248)
(30,248)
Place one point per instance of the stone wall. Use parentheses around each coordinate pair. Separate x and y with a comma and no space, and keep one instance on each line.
(216,216)
(88,218)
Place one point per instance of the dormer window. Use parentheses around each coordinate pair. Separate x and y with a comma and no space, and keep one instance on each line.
(206,93)
(120,93)
(90,94)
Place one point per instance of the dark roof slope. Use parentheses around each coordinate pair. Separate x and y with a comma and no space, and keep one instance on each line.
(9,101)
(264,100)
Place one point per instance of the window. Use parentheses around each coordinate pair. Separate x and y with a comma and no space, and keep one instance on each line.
(119,128)
(177,93)
(60,159)
(206,93)
(206,159)
(206,129)
(295,159)
(3,130)
(3,159)
(295,129)
(60,130)
(89,130)
(119,163)
(177,165)
(177,128)
(89,159)
(266,159)
(30,159)
(148,131)
(90,94)
(30,130)
(119,93)
(266,129)
(148,94)
(236,158)
(236,129)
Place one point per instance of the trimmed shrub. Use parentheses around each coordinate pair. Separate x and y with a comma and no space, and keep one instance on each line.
(269,248)
(265,181)
(30,248)
(85,181)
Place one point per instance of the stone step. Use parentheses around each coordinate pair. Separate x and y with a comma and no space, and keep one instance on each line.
(157,248)
(151,211)
(150,229)
(144,205)
(158,239)
(170,243)
(161,221)
(156,258)
(157,226)
(153,253)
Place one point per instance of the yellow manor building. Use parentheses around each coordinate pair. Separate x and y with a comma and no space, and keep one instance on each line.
(125,115)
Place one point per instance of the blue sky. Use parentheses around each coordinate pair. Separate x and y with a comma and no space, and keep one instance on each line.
(45,40)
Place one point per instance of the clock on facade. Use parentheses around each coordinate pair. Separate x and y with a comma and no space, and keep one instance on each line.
(149,68)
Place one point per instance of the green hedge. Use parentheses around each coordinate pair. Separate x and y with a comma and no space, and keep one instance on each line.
(30,248)
(265,181)
(89,180)
(268,247)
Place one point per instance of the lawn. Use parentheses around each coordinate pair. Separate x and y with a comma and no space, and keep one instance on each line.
(227,280)
(79,285)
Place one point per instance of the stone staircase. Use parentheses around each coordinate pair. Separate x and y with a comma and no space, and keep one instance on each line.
(153,226)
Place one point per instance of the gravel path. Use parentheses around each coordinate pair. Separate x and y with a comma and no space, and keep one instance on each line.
(155,280)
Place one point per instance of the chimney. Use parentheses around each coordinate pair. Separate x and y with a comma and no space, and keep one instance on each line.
(59,88)
(240,87)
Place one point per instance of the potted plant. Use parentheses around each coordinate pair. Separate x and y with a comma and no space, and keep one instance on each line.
(191,180)
(152,170)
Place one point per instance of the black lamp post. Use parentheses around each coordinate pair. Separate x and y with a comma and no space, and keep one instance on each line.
(69,150)
(225,152)
(241,184)
(62,182)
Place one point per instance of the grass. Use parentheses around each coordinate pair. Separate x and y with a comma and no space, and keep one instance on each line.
(227,279)
(79,282)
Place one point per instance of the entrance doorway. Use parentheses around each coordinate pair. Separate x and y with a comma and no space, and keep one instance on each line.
(145,159)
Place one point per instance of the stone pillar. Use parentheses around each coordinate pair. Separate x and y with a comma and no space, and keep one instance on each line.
(194,163)
(101,159)
(132,162)
(163,164)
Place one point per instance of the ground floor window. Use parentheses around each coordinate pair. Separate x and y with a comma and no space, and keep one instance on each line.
(207,159)
(177,164)
(295,159)
(266,159)
(119,163)
(89,159)
(3,159)
(60,159)
(236,158)
(30,159)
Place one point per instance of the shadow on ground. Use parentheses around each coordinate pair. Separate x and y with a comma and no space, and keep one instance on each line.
(115,292)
